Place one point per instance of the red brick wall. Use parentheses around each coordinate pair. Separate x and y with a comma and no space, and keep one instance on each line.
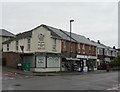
(84,51)
(74,45)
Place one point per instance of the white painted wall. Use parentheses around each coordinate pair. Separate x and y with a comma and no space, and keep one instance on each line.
(47,39)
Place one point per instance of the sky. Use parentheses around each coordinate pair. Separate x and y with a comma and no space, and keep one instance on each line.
(94,20)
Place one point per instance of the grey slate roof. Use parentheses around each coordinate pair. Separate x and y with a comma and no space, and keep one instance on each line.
(80,38)
(4,32)
(98,45)
(60,33)
(19,36)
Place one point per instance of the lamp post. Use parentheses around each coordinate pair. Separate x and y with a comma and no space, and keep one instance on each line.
(71,43)
(22,48)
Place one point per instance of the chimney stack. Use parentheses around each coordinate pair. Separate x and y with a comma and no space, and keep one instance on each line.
(114,47)
(98,42)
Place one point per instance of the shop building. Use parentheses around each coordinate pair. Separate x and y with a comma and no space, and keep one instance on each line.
(40,47)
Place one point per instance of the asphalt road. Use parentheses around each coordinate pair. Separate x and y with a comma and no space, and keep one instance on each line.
(102,81)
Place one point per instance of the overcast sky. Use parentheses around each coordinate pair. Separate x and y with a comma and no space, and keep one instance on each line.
(94,20)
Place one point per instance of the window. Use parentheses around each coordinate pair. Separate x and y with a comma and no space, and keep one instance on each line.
(79,48)
(98,51)
(7,47)
(64,45)
(17,45)
(54,44)
(53,61)
(93,49)
(29,41)
(71,47)
(89,48)
(83,47)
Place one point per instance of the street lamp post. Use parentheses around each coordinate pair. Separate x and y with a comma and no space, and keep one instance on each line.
(71,43)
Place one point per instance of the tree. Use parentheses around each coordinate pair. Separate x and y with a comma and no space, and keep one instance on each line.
(115,62)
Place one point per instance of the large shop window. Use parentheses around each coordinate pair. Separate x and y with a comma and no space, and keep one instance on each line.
(40,62)
(53,61)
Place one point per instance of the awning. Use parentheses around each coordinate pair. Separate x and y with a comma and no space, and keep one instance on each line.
(75,59)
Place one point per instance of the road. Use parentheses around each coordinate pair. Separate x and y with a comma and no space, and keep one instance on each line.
(102,81)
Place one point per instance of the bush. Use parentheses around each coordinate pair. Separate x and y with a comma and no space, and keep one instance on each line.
(115,62)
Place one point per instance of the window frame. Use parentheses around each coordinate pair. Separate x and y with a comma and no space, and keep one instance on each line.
(8,47)
(79,49)
(54,44)
(64,45)
(17,45)
(28,43)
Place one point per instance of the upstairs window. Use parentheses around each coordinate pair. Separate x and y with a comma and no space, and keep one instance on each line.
(7,47)
(89,49)
(64,45)
(79,48)
(54,44)
(83,47)
(98,51)
(17,44)
(29,41)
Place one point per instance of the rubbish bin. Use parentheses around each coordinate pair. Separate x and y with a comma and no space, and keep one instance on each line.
(26,66)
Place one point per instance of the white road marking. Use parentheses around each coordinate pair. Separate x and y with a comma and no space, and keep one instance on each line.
(116,87)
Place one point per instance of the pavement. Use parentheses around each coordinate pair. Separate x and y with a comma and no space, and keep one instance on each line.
(7,71)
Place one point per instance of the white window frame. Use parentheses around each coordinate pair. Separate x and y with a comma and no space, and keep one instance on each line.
(64,45)
(29,43)
(78,47)
(54,44)
(8,47)
(83,47)
(98,51)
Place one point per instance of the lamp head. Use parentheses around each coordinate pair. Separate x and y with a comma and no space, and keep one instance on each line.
(72,20)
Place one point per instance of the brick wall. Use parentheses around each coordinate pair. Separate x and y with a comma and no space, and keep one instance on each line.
(11,59)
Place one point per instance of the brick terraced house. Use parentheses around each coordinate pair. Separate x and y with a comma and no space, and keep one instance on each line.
(47,49)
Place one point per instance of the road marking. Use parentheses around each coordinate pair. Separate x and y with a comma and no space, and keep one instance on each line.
(116,87)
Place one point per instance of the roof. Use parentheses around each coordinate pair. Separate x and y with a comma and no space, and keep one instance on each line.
(80,38)
(98,45)
(60,33)
(55,32)
(4,32)
(103,46)
(29,34)
(19,36)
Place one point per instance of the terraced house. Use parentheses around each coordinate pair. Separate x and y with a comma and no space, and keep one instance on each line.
(104,53)
(47,49)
